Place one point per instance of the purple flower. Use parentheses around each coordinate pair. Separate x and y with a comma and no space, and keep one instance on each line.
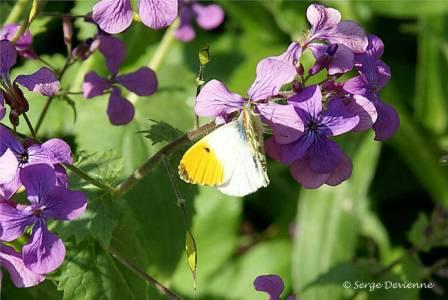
(272,285)
(336,58)
(208,17)
(114,16)
(326,25)
(20,275)
(314,158)
(374,74)
(14,157)
(43,81)
(23,44)
(142,82)
(44,251)
(215,100)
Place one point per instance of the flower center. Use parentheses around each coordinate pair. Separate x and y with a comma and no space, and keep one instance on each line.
(37,212)
(23,158)
(313,126)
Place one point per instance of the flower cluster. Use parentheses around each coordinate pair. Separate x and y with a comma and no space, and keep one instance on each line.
(304,119)
(36,167)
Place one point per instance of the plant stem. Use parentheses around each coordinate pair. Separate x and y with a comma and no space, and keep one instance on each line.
(160,54)
(60,15)
(138,174)
(139,272)
(90,179)
(16,12)
(33,133)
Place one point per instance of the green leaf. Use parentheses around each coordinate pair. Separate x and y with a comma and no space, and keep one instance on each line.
(89,273)
(417,234)
(432,70)
(402,9)
(161,132)
(328,226)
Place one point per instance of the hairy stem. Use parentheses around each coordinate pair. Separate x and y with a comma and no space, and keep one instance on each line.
(90,179)
(160,54)
(140,173)
(139,272)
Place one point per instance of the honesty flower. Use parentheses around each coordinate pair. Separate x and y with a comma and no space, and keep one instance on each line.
(20,275)
(14,157)
(374,74)
(315,158)
(43,81)
(44,251)
(23,44)
(142,82)
(272,285)
(208,17)
(215,100)
(327,29)
(114,16)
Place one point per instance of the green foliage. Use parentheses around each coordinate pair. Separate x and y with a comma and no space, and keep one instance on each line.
(161,132)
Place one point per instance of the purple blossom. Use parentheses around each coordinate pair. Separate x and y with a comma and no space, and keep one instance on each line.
(44,251)
(23,44)
(208,17)
(14,157)
(272,285)
(215,100)
(314,158)
(328,30)
(142,82)
(114,16)
(43,82)
(20,275)
(374,74)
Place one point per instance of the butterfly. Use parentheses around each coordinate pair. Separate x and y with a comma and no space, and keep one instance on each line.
(230,158)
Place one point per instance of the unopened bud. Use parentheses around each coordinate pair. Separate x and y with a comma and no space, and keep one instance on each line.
(299,69)
(67,28)
(204,55)
(320,64)
(296,86)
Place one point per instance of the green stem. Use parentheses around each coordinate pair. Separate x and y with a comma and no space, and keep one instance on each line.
(160,54)
(33,133)
(90,179)
(16,12)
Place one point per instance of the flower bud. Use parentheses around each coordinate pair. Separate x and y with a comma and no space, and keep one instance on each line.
(299,69)
(296,86)
(67,29)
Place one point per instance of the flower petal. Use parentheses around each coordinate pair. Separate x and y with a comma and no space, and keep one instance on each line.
(208,17)
(8,189)
(38,180)
(324,155)
(8,140)
(44,252)
(113,16)
(143,82)
(347,33)
(291,55)
(8,32)
(185,32)
(43,81)
(113,51)
(119,109)
(296,150)
(387,123)
(216,100)
(61,176)
(319,16)
(272,74)
(271,284)
(364,109)
(342,172)
(8,166)
(383,74)
(356,85)
(271,148)
(94,85)
(53,151)
(2,106)
(63,204)
(338,119)
(8,57)
(157,14)
(20,275)
(13,221)
(309,100)
(342,61)
(302,173)
(286,125)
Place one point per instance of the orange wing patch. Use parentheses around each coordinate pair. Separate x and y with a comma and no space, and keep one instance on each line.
(200,165)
